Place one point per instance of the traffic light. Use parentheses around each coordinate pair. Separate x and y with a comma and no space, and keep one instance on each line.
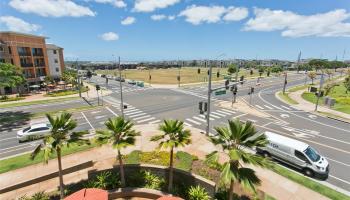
(98,87)
(241,79)
(205,107)
(227,82)
(198,70)
(217,74)
(200,105)
(178,78)
(125,106)
(252,90)
(208,72)
(150,77)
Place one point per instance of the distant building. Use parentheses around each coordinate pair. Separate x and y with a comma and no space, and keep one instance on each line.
(56,61)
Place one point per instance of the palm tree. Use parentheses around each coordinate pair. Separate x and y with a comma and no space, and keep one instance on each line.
(234,139)
(121,135)
(59,137)
(173,136)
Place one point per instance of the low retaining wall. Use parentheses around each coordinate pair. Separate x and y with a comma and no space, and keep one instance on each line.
(136,192)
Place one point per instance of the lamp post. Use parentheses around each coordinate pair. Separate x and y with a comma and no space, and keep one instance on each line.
(120,85)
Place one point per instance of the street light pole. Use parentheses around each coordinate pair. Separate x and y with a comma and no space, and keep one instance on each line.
(237,69)
(149,76)
(121,88)
(78,76)
(319,92)
(209,95)
(178,79)
(285,83)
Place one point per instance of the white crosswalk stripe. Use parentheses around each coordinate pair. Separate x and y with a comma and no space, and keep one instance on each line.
(134,112)
(261,108)
(187,124)
(154,122)
(138,114)
(217,117)
(145,120)
(285,107)
(131,110)
(195,122)
(202,116)
(220,114)
(230,111)
(199,119)
(224,112)
(137,118)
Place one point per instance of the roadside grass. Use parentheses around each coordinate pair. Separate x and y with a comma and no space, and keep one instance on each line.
(65,92)
(8,105)
(313,185)
(169,76)
(7,99)
(300,87)
(286,98)
(24,160)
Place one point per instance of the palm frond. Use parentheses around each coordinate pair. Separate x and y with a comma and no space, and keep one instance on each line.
(248,179)
(35,152)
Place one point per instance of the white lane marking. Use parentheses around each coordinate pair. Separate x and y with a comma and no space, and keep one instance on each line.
(340,179)
(284,115)
(238,116)
(187,124)
(259,94)
(223,112)
(199,119)
(131,113)
(195,122)
(87,120)
(137,118)
(15,149)
(139,114)
(145,120)
(94,112)
(312,116)
(115,114)
(222,115)
(20,145)
(202,116)
(285,107)
(230,111)
(131,110)
(154,122)
(338,162)
(268,107)
(212,115)
(100,116)
(8,138)
(261,108)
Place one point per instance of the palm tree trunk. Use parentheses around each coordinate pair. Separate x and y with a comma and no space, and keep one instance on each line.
(230,192)
(60,175)
(121,168)
(170,184)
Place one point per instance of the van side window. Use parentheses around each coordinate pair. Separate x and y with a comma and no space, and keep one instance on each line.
(301,156)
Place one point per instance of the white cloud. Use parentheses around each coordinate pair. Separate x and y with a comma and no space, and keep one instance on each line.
(152,5)
(17,24)
(213,14)
(329,24)
(115,3)
(171,17)
(203,14)
(235,13)
(51,8)
(128,21)
(109,36)
(158,17)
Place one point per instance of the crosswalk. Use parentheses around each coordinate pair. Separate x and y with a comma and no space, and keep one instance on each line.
(133,113)
(198,120)
(130,89)
(203,96)
(274,107)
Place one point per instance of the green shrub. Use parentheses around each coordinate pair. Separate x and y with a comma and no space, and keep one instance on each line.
(37,196)
(343,100)
(197,193)
(6,98)
(145,179)
(184,161)
(133,157)
(104,180)
(155,158)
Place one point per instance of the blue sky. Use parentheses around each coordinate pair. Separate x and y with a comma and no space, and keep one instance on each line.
(185,29)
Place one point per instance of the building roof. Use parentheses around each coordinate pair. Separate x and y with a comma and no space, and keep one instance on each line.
(295,144)
(53,46)
(22,34)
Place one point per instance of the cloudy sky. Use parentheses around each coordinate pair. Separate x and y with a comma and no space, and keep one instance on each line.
(185,29)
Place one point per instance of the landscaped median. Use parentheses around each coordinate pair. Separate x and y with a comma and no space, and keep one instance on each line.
(34,102)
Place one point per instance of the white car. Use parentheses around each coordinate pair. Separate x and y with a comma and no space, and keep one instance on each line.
(33,132)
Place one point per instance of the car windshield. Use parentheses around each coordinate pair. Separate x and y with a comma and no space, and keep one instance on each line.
(312,154)
(26,129)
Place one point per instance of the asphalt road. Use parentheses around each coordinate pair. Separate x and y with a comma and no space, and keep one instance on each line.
(149,105)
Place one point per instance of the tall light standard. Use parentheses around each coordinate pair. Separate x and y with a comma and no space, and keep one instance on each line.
(209,95)
(319,92)
(120,85)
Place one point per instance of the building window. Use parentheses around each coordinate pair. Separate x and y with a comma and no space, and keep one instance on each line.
(57,69)
(10,51)
(56,61)
(1,49)
(11,61)
(2,60)
(54,52)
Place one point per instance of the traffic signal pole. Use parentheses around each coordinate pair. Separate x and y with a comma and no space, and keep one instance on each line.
(319,92)
(209,95)
(121,89)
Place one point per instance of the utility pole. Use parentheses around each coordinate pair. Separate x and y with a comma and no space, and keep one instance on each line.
(209,95)
(319,92)
(178,76)
(285,83)
(78,76)
(121,88)
(299,56)
(149,76)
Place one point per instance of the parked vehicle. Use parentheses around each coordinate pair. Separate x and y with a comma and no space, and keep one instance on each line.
(103,76)
(132,82)
(117,78)
(122,80)
(295,153)
(33,132)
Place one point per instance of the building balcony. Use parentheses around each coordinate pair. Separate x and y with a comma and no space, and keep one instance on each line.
(38,54)
(24,54)
(40,65)
(26,64)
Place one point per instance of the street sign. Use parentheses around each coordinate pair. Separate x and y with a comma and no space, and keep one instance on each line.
(220,92)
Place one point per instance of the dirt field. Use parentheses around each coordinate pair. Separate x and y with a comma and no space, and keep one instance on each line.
(169,76)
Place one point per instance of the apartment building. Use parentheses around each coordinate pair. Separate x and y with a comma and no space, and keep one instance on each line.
(56,61)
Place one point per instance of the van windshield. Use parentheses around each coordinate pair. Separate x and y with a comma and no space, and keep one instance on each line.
(312,154)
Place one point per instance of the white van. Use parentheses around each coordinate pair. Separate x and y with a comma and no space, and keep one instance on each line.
(295,153)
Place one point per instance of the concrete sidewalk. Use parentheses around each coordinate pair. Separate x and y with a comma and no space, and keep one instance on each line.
(104,157)
(310,107)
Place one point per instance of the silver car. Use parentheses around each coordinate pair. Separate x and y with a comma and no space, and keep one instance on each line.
(33,132)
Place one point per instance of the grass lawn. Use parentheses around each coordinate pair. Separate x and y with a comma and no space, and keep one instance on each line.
(24,160)
(286,98)
(36,102)
(342,99)
(65,92)
(169,76)
(313,185)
